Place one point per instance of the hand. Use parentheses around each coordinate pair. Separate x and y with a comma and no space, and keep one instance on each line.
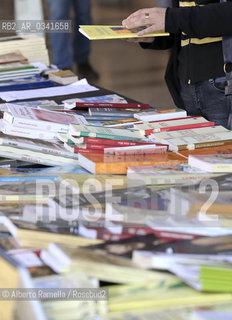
(153,18)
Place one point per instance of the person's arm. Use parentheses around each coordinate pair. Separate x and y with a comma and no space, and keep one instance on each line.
(212,20)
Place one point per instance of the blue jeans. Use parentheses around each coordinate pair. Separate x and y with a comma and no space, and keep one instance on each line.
(67,48)
(207,99)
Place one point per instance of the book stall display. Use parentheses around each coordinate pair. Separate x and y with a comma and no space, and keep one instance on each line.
(121,201)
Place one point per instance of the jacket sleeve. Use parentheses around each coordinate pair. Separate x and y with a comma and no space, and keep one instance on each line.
(211,20)
(159,43)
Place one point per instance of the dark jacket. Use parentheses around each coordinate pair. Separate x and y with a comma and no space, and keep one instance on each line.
(201,21)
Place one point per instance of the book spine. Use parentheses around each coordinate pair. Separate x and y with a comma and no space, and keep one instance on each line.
(91,151)
(78,129)
(199,145)
(106,136)
(110,112)
(112,142)
(134,150)
(112,105)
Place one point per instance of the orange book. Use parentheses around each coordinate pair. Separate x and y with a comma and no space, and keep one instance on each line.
(102,163)
(224,149)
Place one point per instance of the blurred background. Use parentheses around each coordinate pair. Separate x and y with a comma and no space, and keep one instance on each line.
(123,67)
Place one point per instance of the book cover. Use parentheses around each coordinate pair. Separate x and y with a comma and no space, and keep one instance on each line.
(119,164)
(165,174)
(93,32)
(16,131)
(40,119)
(161,114)
(211,162)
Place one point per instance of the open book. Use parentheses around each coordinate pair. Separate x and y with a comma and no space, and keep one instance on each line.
(114,32)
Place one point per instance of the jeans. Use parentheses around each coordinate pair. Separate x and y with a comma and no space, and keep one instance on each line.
(67,48)
(207,98)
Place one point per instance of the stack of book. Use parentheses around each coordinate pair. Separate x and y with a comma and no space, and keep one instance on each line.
(14,65)
(31,46)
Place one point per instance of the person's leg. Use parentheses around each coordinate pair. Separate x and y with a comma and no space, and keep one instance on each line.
(207,98)
(81,45)
(61,42)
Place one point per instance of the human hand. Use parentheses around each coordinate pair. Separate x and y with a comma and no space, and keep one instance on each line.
(153,18)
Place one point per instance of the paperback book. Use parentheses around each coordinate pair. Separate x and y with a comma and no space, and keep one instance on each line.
(114,32)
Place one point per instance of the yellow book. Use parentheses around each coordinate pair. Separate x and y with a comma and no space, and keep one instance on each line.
(114,32)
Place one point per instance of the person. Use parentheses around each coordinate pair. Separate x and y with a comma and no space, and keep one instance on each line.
(195,72)
(66,50)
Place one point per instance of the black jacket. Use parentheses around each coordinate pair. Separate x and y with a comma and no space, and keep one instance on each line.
(200,21)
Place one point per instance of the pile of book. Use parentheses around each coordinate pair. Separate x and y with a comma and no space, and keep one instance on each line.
(31,46)
(122,200)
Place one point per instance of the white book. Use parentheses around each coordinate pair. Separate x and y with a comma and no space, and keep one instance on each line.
(95,131)
(166,135)
(204,140)
(35,157)
(27,117)
(8,129)
(55,148)
(160,115)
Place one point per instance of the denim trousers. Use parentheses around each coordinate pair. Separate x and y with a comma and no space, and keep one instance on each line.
(207,98)
(68,48)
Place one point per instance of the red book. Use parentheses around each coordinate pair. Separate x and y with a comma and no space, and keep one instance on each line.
(172,119)
(111,105)
(181,127)
(108,142)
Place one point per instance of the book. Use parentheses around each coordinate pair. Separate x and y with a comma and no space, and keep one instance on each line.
(40,119)
(15,56)
(37,157)
(32,82)
(165,174)
(114,32)
(174,125)
(201,141)
(144,149)
(101,164)
(31,46)
(204,278)
(161,115)
(102,132)
(113,112)
(108,98)
(212,162)
(12,130)
(55,148)
(14,275)
(63,77)
(103,105)
(106,142)
(166,135)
